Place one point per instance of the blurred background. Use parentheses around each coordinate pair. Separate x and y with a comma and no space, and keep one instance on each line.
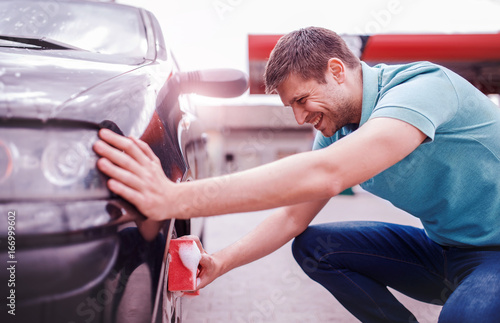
(213,33)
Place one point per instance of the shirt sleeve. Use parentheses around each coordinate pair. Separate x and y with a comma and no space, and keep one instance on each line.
(425,101)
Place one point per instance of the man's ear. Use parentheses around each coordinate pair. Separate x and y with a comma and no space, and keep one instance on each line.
(336,69)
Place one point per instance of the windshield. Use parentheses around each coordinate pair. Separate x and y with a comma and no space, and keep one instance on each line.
(96,27)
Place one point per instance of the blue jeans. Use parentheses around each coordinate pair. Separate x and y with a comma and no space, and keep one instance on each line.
(356,261)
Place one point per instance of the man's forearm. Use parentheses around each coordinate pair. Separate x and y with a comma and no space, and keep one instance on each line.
(265,238)
(257,244)
(292,180)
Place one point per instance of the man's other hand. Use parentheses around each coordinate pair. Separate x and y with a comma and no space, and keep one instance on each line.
(209,268)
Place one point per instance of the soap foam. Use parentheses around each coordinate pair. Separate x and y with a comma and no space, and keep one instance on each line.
(190,256)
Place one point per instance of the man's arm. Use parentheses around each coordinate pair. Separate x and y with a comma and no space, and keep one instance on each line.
(271,234)
(312,176)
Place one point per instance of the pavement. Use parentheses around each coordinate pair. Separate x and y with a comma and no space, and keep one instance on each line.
(274,289)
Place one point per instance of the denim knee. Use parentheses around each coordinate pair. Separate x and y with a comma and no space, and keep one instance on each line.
(301,246)
(310,246)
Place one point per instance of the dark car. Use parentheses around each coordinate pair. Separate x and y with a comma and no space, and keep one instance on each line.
(71,250)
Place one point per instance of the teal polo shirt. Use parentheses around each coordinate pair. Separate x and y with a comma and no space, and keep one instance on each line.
(451,182)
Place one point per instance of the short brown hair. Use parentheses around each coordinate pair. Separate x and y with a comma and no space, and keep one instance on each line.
(306,52)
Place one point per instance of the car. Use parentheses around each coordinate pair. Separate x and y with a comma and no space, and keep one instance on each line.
(73,251)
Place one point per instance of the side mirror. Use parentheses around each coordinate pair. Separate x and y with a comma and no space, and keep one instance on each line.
(220,83)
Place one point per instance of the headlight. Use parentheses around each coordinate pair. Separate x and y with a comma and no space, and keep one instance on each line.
(49,163)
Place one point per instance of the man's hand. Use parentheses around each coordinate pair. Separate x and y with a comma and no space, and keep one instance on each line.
(209,267)
(135,173)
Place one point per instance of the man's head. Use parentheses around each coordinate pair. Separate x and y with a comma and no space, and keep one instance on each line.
(305,52)
(316,74)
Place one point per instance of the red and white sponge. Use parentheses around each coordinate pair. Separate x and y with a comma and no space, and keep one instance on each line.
(183,268)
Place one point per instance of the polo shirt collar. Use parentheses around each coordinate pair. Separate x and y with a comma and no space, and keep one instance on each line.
(370,91)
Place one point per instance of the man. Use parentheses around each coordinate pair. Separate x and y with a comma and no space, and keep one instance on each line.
(417,135)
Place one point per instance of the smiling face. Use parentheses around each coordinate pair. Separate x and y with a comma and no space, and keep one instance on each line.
(327,106)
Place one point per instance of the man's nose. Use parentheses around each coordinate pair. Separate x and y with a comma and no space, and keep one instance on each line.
(300,114)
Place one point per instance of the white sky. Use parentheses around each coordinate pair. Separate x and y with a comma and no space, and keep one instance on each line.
(213,33)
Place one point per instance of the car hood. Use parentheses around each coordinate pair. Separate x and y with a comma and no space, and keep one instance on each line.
(45,87)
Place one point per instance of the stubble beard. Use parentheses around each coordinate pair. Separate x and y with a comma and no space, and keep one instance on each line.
(342,114)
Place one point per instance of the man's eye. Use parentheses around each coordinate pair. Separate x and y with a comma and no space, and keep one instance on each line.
(302,100)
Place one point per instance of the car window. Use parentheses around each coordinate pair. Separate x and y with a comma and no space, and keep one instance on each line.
(96,27)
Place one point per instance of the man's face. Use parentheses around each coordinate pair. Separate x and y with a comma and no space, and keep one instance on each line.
(327,106)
